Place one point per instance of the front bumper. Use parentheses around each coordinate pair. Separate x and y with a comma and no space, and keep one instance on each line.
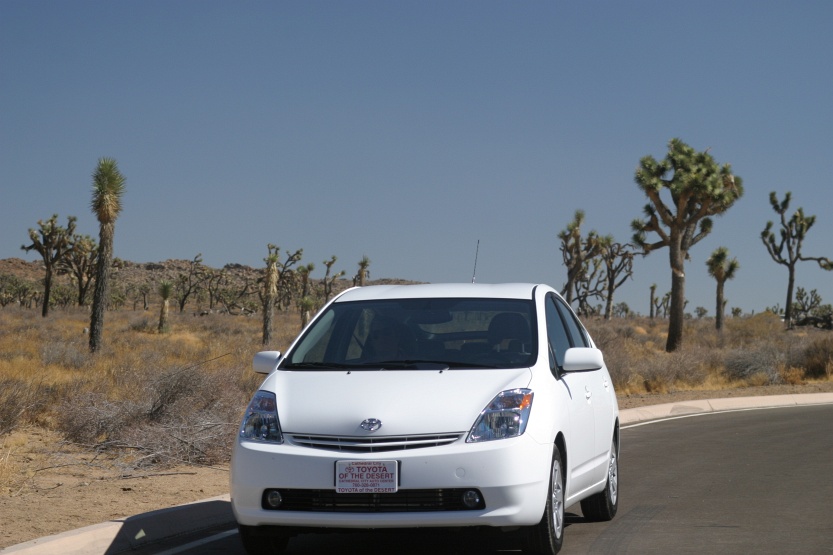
(512,475)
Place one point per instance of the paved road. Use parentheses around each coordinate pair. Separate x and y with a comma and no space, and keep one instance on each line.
(758,481)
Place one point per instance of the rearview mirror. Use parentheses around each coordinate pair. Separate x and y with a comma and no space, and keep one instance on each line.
(582,359)
(265,362)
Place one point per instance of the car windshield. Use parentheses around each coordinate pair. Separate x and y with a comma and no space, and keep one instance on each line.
(419,333)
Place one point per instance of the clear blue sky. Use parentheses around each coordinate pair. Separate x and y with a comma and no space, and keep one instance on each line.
(408,131)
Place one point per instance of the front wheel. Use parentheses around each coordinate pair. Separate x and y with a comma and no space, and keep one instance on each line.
(547,536)
(603,505)
(263,540)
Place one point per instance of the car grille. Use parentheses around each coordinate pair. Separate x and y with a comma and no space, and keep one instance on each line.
(415,500)
(372,444)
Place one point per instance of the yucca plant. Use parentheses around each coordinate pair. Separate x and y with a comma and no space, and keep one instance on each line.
(721,269)
(108,189)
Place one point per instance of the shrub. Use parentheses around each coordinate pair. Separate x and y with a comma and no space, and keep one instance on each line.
(16,398)
(75,355)
(178,416)
(758,364)
(817,358)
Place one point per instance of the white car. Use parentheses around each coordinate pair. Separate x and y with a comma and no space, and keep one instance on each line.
(429,406)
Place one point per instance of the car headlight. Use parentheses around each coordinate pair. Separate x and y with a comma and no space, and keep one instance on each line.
(260,423)
(506,416)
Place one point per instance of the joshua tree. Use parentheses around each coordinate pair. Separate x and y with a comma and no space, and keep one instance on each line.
(653,296)
(53,243)
(808,310)
(793,233)
(215,280)
(108,189)
(622,310)
(270,292)
(618,261)
(329,280)
(363,273)
(304,272)
(661,305)
(589,285)
(80,264)
(698,188)
(144,291)
(14,289)
(288,282)
(721,269)
(576,252)
(191,283)
(166,288)
(305,306)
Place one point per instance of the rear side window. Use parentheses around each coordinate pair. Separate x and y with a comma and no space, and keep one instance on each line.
(556,333)
(577,336)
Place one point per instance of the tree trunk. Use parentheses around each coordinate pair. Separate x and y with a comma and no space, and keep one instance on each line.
(268,313)
(609,305)
(718,318)
(677,311)
(47,289)
(269,300)
(568,287)
(163,317)
(82,291)
(102,285)
(788,308)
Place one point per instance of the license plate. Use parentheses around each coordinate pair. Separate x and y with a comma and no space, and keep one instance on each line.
(367,476)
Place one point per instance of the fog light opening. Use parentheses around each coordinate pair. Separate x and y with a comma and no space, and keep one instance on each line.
(472,499)
(273,499)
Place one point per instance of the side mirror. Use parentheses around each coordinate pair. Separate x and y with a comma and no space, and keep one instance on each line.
(265,362)
(582,359)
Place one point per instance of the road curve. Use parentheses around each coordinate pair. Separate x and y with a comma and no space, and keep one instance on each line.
(729,482)
(740,482)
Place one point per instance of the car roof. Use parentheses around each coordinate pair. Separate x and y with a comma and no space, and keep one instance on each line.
(434,290)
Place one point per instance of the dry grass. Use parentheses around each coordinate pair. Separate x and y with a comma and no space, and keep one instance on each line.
(157,399)
(164,399)
(751,351)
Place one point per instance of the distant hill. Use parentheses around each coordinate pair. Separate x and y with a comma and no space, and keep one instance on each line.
(130,275)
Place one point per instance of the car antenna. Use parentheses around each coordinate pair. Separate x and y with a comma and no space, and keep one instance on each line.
(474,272)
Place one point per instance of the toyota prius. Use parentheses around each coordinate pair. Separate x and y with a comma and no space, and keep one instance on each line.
(435,405)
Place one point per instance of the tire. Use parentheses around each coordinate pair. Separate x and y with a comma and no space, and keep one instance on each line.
(603,505)
(263,540)
(547,537)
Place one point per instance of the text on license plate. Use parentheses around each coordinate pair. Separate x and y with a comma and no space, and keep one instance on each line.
(366,477)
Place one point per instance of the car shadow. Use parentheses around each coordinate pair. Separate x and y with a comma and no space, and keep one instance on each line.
(573,518)
(146,529)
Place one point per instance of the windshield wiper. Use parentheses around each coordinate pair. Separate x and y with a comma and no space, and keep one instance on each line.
(319,366)
(426,364)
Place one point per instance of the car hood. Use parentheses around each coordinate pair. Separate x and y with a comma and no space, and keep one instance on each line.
(407,402)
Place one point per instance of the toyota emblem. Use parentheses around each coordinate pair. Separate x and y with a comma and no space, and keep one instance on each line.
(371,424)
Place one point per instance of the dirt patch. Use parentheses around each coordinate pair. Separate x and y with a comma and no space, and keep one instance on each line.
(48,486)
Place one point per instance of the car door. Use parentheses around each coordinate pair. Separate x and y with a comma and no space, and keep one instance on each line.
(581,433)
(599,391)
